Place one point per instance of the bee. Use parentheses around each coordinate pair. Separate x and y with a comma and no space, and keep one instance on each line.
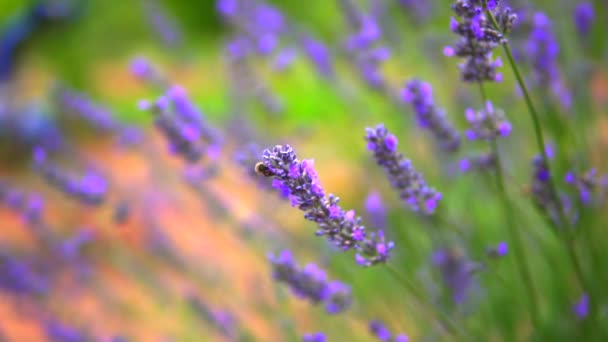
(261,169)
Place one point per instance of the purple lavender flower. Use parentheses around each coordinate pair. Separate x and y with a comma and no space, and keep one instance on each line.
(71,247)
(419,95)
(410,184)
(456,271)
(375,210)
(480,162)
(299,181)
(587,185)
(164,25)
(584,16)
(284,59)
(18,276)
(418,10)
(498,251)
(381,332)
(478,39)
(311,283)
(542,51)
(581,308)
(146,72)
(59,332)
(487,124)
(222,320)
(80,106)
(90,189)
(314,337)
(320,56)
(545,198)
(364,44)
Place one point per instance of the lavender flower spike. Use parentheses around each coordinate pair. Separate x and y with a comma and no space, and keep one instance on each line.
(311,283)
(299,181)
(315,337)
(420,95)
(487,124)
(410,184)
(478,39)
(583,17)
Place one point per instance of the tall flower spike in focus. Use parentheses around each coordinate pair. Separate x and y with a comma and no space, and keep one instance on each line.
(478,38)
(298,181)
(310,282)
(420,95)
(410,184)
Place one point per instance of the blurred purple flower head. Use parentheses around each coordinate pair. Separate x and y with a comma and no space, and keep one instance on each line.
(487,124)
(320,56)
(311,283)
(457,272)
(420,95)
(375,210)
(314,337)
(584,16)
(498,251)
(479,162)
(299,181)
(581,308)
(402,176)
(381,332)
(164,24)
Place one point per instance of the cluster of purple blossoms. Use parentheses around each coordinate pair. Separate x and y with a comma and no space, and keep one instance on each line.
(542,50)
(314,337)
(420,95)
(311,283)
(456,271)
(487,124)
(381,332)
(178,119)
(587,185)
(147,73)
(81,106)
(163,23)
(29,206)
(479,162)
(478,39)
(364,44)
(584,16)
(549,202)
(298,181)
(90,189)
(410,184)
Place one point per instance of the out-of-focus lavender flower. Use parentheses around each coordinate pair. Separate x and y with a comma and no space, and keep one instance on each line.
(18,276)
(314,337)
(298,180)
(478,39)
(82,107)
(320,56)
(364,44)
(542,51)
(71,247)
(418,10)
(284,59)
(381,332)
(587,185)
(402,176)
(146,72)
(310,282)
(480,162)
(581,308)
(498,251)
(487,124)
(456,272)
(59,332)
(420,95)
(545,198)
(584,16)
(181,124)
(90,189)
(164,24)
(222,320)
(376,210)
(247,157)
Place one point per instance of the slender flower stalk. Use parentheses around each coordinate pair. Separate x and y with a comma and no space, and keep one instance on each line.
(299,182)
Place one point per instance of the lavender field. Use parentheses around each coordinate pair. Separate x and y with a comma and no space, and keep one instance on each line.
(323,170)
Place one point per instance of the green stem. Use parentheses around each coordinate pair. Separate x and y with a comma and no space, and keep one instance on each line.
(540,141)
(424,302)
(515,235)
